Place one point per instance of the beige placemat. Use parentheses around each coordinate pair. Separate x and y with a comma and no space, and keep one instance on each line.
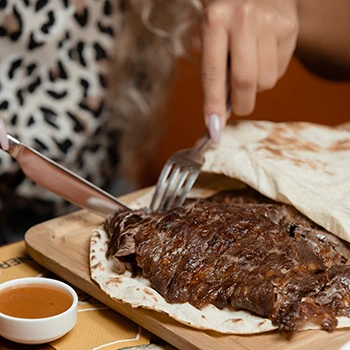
(98,327)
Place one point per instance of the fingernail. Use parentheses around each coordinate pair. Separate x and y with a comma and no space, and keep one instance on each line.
(214,127)
(4,142)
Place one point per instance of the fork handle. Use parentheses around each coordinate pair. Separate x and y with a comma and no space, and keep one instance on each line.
(203,142)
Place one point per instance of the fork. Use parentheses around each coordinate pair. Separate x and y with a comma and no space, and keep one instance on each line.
(179,175)
(182,168)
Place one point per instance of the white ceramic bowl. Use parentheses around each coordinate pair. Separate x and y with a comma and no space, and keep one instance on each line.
(38,330)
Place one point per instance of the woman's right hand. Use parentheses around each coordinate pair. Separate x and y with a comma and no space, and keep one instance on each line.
(260,37)
(4,142)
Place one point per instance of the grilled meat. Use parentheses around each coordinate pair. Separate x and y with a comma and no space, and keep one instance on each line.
(239,248)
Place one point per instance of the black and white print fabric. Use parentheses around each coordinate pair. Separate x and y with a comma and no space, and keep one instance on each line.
(53,66)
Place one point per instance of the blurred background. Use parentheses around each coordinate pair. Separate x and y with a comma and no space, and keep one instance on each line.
(298,96)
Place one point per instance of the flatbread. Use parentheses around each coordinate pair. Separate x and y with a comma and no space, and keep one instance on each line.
(262,155)
(302,164)
(137,293)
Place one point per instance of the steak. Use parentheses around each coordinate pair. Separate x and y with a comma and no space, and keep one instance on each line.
(238,248)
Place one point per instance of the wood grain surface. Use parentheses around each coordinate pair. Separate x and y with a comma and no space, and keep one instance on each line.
(62,246)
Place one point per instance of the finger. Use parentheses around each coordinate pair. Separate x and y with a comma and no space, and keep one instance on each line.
(267,62)
(214,71)
(285,53)
(4,142)
(244,71)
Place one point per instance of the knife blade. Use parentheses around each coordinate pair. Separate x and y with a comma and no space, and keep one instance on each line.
(61,181)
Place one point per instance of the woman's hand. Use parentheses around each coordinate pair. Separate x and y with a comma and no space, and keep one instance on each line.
(260,37)
(4,142)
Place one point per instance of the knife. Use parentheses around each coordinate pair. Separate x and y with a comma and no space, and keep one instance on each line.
(61,181)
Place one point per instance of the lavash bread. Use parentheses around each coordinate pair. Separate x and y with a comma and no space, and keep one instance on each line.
(302,164)
(136,292)
(295,163)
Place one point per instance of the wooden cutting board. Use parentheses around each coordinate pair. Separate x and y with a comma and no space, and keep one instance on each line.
(62,246)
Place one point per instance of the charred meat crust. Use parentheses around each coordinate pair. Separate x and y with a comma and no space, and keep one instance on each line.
(240,248)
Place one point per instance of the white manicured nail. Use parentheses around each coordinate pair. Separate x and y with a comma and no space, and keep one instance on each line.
(214,127)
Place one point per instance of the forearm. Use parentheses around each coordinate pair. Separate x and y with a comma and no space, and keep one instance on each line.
(324,37)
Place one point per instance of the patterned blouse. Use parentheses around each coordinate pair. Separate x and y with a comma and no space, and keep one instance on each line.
(53,65)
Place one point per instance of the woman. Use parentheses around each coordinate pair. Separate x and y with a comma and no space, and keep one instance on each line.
(67,116)
(83,82)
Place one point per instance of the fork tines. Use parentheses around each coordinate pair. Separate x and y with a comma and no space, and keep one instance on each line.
(178,176)
(174,183)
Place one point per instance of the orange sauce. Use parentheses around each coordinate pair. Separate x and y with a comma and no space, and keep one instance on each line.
(34,301)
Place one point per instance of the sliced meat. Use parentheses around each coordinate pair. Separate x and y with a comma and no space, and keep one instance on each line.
(265,258)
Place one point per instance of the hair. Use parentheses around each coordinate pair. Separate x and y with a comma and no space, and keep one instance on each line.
(154,34)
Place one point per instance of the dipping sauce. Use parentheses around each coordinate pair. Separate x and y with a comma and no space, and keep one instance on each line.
(34,301)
